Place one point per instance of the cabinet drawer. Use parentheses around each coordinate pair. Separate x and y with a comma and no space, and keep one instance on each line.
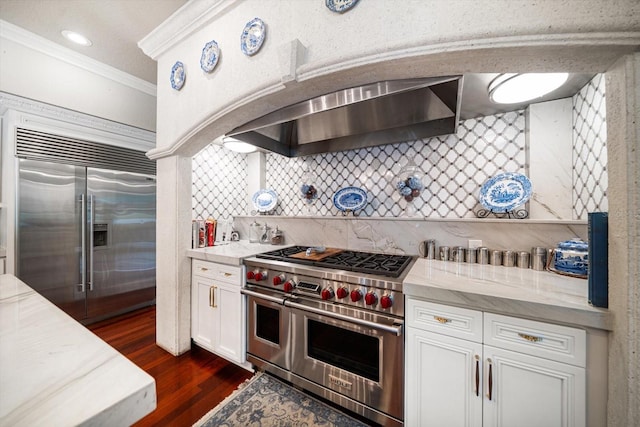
(230,274)
(451,321)
(554,342)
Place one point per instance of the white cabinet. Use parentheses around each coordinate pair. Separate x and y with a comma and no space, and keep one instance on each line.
(468,368)
(218,310)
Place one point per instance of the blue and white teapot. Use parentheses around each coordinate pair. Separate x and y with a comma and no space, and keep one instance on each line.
(572,256)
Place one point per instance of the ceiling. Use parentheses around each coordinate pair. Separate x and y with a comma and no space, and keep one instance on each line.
(116,26)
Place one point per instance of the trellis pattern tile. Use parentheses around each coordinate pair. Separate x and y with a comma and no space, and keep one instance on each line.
(590,177)
(454,167)
(219,184)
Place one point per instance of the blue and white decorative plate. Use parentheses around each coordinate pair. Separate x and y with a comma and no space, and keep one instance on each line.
(210,55)
(505,192)
(350,199)
(340,6)
(177,75)
(265,200)
(252,36)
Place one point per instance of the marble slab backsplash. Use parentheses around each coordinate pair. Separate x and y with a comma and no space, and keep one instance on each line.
(402,236)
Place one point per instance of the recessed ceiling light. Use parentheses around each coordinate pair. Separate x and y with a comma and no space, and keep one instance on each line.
(512,88)
(76,38)
(238,146)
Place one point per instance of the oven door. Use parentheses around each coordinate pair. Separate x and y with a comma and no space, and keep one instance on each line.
(268,331)
(352,352)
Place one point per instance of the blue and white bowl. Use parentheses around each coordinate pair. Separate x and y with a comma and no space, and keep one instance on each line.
(572,256)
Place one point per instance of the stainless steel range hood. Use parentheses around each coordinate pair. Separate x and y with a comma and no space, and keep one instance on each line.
(365,116)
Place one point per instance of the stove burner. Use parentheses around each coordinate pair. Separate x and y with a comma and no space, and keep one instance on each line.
(360,262)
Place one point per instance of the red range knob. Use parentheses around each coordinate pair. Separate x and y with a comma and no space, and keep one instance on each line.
(327,293)
(251,275)
(277,280)
(289,285)
(370,298)
(356,295)
(386,301)
(342,293)
(260,276)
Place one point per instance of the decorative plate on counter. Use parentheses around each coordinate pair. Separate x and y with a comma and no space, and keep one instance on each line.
(253,36)
(340,6)
(350,199)
(177,75)
(265,200)
(505,192)
(210,55)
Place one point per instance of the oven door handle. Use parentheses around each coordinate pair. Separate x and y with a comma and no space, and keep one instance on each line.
(262,296)
(394,329)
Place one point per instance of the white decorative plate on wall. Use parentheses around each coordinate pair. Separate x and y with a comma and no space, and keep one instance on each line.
(505,192)
(210,55)
(350,199)
(265,200)
(340,6)
(253,36)
(178,75)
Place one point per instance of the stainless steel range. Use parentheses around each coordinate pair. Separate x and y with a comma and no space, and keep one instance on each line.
(331,322)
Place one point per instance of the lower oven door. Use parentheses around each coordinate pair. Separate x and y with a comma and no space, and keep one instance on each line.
(268,331)
(352,352)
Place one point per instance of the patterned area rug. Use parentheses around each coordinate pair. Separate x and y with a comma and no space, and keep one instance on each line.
(265,401)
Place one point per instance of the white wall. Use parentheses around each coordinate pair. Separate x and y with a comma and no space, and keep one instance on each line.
(38,69)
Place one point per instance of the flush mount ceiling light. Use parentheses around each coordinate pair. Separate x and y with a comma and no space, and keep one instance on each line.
(237,146)
(512,88)
(77,38)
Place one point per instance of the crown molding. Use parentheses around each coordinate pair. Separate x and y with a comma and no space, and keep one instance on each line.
(32,41)
(98,129)
(192,16)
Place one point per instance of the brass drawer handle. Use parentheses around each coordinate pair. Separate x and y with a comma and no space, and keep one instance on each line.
(204,269)
(442,319)
(530,338)
(227,274)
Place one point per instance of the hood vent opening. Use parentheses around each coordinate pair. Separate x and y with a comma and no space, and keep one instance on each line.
(365,116)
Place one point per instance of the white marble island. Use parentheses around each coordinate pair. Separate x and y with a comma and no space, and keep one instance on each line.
(506,290)
(54,371)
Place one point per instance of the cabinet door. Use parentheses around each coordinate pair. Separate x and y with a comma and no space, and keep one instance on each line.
(230,324)
(443,381)
(203,315)
(528,391)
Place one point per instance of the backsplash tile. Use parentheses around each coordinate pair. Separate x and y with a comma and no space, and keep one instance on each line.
(219,186)
(455,167)
(590,177)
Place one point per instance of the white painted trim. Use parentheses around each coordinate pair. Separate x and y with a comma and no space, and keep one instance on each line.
(74,124)
(191,17)
(32,41)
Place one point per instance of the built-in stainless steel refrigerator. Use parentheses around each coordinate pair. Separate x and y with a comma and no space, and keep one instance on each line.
(86,237)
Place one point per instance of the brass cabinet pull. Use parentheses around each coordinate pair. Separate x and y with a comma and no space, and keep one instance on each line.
(477,375)
(490,379)
(531,338)
(442,319)
(214,297)
(228,274)
(211,296)
(204,269)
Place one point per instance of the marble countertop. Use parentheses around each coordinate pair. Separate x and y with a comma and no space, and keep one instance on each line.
(54,371)
(538,295)
(231,253)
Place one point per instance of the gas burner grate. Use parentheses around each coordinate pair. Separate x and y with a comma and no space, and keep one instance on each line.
(359,262)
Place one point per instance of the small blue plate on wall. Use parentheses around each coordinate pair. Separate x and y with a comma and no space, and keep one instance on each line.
(350,199)
(505,192)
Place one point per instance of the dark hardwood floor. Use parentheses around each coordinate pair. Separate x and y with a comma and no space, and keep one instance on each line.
(187,386)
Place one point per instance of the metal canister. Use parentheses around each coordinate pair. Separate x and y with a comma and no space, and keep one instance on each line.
(427,249)
(538,258)
(523,259)
(443,253)
(471,255)
(509,258)
(457,254)
(483,255)
(495,257)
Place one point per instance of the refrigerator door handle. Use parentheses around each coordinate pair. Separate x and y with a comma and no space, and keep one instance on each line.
(83,264)
(91,219)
